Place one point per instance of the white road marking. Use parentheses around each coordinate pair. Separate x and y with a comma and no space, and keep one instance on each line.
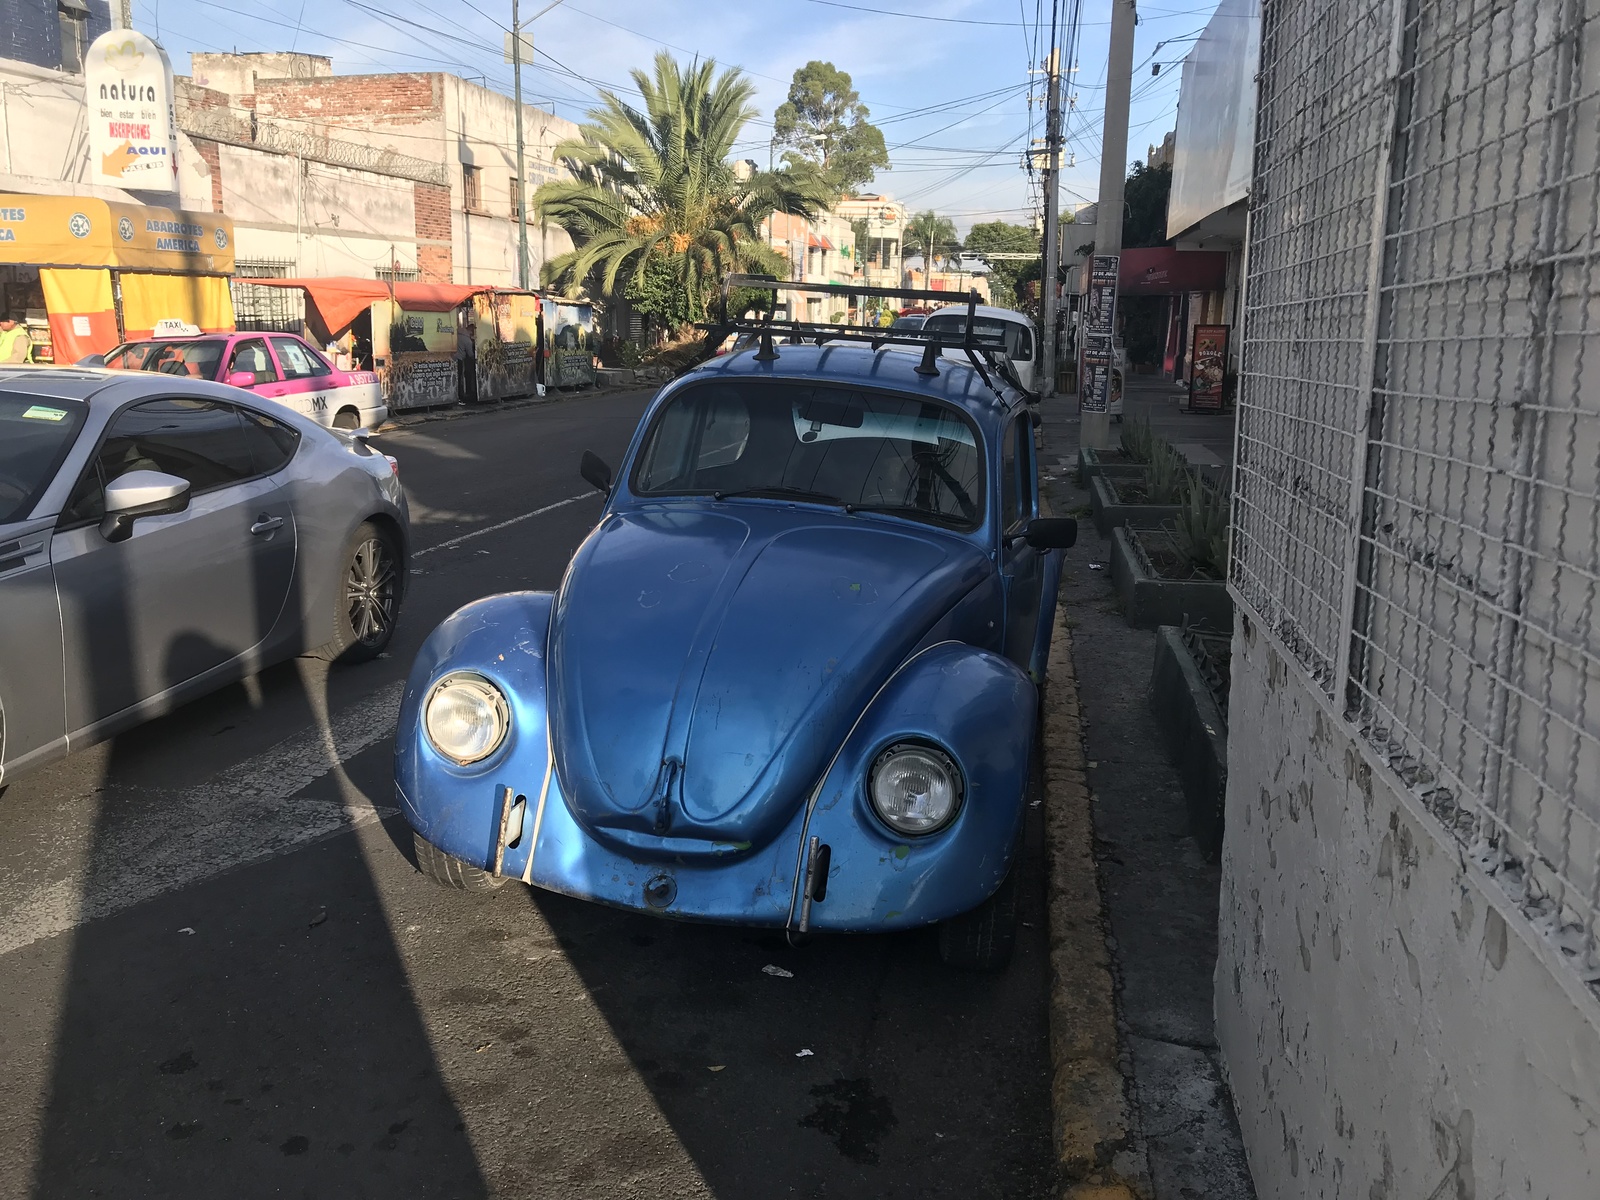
(527,516)
(154,841)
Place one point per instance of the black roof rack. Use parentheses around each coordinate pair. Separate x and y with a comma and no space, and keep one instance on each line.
(932,341)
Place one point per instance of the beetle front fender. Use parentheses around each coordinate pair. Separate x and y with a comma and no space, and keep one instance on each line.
(456,808)
(980,709)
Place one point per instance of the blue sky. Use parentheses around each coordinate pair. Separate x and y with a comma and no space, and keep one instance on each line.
(947,80)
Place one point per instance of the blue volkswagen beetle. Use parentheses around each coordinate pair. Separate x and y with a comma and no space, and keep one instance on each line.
(790,678)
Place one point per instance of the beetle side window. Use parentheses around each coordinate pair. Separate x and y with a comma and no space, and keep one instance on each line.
(197,440)
(1010,478)
(252,356)
(298,361)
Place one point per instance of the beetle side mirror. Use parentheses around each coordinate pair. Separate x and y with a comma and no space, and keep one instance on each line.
(136,494)
(1047,533)
(241,379)
(595,472)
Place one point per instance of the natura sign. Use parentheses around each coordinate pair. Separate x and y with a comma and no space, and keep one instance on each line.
(133,128)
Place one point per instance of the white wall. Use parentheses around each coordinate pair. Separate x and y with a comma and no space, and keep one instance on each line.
(44,143)
(1391,1027)
(348,220)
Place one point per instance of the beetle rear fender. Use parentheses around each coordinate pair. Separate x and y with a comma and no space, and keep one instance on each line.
(979,708)
(458,808)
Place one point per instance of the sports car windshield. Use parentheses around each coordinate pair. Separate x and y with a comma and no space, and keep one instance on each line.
(35,435)
(858,449)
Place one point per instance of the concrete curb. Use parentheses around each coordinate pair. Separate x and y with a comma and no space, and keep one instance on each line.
(409,420)
(1088,1093)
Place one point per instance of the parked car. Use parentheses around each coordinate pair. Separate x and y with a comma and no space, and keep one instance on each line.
(279,366)
(909,321)
(790,678)
(161,536)
(1016,328)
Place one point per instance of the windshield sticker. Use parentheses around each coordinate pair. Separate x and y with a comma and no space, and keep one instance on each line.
(40,413)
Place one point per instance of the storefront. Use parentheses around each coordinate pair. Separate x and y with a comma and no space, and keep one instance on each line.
(87,274)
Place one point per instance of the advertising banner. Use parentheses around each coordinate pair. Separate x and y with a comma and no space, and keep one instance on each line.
(568,338)
(508,336)
(1100,306)
(133,126)
(78,231)
(1209,365)
(418,379)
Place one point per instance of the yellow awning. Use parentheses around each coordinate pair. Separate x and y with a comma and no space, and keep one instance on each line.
(75,231)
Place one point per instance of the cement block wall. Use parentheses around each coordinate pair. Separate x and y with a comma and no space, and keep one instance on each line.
(1392,1028)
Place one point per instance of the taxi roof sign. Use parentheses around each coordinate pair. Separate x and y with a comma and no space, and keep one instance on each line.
(172,327)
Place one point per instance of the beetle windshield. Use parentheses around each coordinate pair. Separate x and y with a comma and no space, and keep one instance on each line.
(834,445)
(35,435)
(194,357)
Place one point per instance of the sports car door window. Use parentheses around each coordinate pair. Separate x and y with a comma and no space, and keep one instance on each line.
(252,356)
(298,361)
(272,443)
(197,440)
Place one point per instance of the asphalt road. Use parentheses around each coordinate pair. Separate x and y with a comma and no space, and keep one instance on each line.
(222,976)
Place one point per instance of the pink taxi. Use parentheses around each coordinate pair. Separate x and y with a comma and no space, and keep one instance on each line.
(279,366)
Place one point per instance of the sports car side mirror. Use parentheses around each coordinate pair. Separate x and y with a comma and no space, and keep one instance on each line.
(137,494)
(1047,533)
(595,472)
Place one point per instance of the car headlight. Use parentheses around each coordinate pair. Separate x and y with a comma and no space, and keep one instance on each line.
(465,717)
(915,789)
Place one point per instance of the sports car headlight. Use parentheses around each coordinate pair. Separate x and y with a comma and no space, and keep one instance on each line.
(465,717)
(915,789)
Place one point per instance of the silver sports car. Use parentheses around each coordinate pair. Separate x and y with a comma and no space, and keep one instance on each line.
(160,537)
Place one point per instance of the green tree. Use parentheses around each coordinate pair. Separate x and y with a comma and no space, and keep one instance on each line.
(1144,221)
(653,191)
(824,125)
(1001,237)
(931,236)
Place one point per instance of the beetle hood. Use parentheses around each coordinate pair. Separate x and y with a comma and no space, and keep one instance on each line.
(706,665)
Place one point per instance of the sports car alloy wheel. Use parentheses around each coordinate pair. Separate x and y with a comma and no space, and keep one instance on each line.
(369,591)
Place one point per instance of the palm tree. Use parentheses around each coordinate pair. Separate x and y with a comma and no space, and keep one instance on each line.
(931,236)
(655,188)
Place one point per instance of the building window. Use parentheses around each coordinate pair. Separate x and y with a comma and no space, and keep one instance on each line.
(516,198)
(266,309)
(74,17)
(472,188)
(397,274)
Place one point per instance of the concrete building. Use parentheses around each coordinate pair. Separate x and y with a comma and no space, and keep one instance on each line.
(52,34)
(879,259)
(370,174)
(821,250)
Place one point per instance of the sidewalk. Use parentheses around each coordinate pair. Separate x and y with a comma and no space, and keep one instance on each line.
(1160,896)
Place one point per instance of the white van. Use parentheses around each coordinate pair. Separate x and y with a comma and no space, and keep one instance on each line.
(1022,343)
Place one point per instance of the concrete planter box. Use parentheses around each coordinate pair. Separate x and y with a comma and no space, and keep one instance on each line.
(1195,732)
(613,377)
(1148,600)
(1110,462)
(1110,512)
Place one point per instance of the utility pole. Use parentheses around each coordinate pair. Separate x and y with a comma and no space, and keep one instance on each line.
(522,174)
(1052,219)
(1096,429)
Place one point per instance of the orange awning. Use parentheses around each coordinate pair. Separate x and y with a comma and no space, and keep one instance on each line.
(340,299)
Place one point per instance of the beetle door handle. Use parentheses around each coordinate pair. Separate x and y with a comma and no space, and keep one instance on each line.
(266,523)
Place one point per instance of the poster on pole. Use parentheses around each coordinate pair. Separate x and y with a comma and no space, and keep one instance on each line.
(133,126)
(1208,365)
(1094,393)
(1100,306)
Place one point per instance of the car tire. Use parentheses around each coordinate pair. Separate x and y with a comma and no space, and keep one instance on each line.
(982,940)
(448,871)
(371,581)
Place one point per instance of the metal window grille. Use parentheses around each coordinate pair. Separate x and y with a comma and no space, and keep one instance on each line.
(1416,512)
(266,309)
(397,274)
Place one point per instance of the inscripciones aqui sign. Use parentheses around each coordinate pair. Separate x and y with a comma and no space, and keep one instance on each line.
(133,125)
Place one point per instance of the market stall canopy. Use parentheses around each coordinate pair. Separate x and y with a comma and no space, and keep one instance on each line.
(78,231)
(340,299)
(1163,271)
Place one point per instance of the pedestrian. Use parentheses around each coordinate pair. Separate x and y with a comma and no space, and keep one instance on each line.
(16,344)
(467,358)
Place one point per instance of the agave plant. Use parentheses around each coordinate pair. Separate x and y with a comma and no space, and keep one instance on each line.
(657,187)
(1138,439)
(1203,529)
(1169,477)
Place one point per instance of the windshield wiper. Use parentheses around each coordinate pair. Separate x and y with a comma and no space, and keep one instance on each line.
(912,511)
(778,492)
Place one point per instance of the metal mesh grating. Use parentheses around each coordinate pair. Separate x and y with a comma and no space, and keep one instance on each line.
(1424,529)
